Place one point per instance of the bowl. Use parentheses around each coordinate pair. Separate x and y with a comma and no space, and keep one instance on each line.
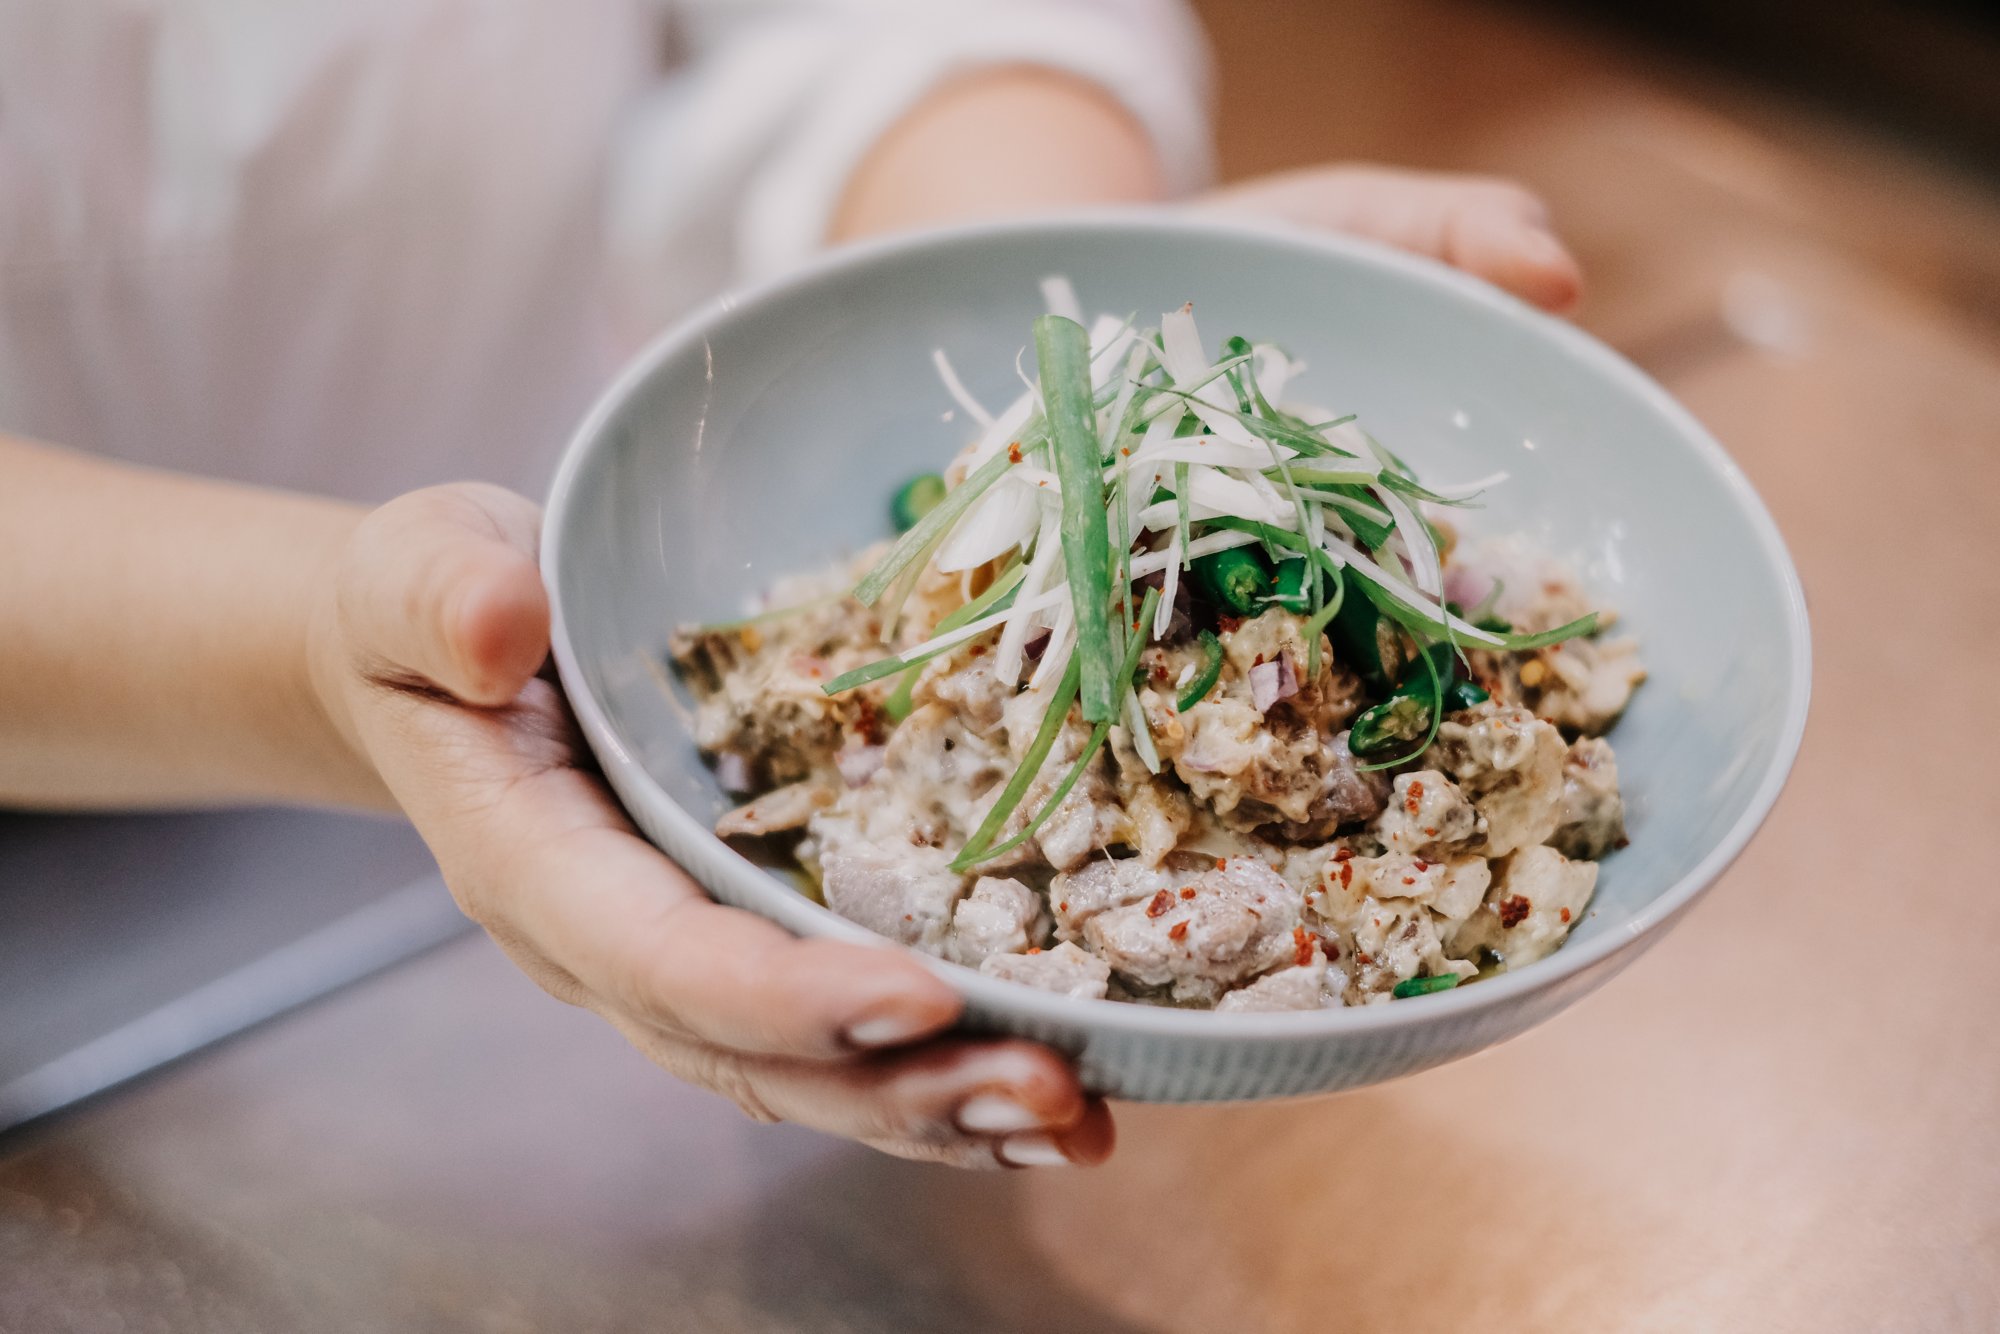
(766,434)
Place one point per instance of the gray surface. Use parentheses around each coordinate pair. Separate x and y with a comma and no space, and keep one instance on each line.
(129,940)
(446,1149)
(765,435)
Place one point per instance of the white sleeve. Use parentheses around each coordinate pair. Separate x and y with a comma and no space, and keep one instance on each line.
(748,149)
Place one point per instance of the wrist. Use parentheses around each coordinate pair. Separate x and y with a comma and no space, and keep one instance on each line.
(323,679)
(1012,139)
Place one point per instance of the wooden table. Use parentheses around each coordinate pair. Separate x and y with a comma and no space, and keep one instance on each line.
(1786,1117)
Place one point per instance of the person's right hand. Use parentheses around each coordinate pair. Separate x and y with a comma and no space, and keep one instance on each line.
(426,648)
(1492,228)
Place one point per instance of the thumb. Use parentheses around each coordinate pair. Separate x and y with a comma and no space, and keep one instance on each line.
(442,585)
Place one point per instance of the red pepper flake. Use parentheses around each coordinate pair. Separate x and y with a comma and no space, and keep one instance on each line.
(1346,874)
(1514,911)
(1302,946)
(1161,902)
(1187,891)
(978,651)
(1332,950)
(1429,832)
(1014,452)
(1412,802)
(1034,949)
(1222,863)
(1409,880)
(1228,625)
(1126,452)
(1342,854)
(909,917)
(1367,960)
(1259,661)
(868,720)
(1063,906)
(1564,914)
(1177,931)
(1423,865)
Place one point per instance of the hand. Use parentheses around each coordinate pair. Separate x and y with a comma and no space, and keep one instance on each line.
(425,650)
(1491,228)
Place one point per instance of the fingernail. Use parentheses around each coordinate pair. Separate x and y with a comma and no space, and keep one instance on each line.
(1031,1150)
(995,1114)
(888,1030)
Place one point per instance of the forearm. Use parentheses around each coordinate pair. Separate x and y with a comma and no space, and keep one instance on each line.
(154,639)
(1003,141)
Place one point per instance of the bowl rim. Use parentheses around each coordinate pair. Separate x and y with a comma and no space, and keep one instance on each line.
(801,915)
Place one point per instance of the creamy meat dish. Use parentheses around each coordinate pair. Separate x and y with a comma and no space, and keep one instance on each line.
(1336,755)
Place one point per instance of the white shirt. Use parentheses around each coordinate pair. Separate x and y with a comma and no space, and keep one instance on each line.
(355,246)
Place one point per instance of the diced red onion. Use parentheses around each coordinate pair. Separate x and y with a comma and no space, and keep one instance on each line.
(733,772)
(1467,585)
(1273,681)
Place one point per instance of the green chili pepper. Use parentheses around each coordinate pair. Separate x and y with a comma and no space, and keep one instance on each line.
(1236,580)
(1424,986)
(1400,717)
(1205,676)
(1292,582)
(1366,641)
(1406,714)
(1462,694)
(918,497)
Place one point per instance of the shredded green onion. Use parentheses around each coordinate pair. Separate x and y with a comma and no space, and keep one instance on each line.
(1062,350)
(976,847)
(931,529)
(967,859)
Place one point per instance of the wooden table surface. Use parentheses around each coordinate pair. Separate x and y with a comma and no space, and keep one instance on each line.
(1786,1117)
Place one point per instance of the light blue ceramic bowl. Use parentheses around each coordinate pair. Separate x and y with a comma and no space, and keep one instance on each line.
(766,434)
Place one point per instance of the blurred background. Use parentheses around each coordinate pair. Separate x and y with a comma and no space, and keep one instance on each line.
(1790,214)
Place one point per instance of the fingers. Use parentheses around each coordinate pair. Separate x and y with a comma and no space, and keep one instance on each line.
(966,1103)
(633,929)
(442,585)
(1500,233)
(1490,228)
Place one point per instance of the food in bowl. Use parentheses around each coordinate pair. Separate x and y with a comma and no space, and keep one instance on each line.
(1178,691)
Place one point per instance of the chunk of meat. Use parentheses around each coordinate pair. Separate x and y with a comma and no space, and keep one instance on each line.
(1255,761)
(1347,796)
(997,917)
(935,767)
(1389,941)
(1452,889)
(1195,925)
(775,812)
(1510,763)
(759,705)
(969,687)
(1088,821)
(1593,813)
(1586,683)
(1065,970)
(1538,897)
(905,892)
(1309,986)
(1427,814)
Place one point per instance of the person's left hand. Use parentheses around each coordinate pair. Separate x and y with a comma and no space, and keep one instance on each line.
(426,647)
